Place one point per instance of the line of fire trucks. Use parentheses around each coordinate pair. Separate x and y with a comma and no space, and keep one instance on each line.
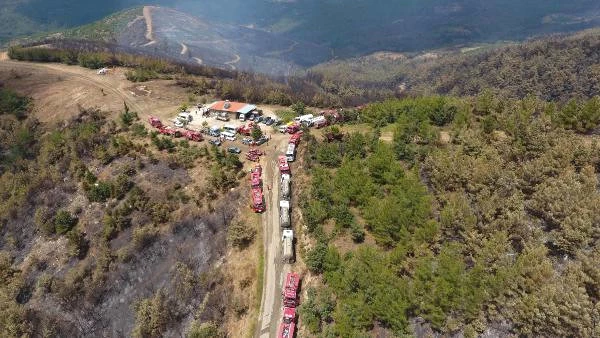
(291,287)
(192,135)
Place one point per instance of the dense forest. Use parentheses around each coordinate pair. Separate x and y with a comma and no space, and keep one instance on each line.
(88,210)
(480,215)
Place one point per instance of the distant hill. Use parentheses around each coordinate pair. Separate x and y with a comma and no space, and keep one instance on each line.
(349,28)
(558,67)
(164,31)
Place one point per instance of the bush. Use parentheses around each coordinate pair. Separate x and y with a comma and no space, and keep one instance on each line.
(43,220)
(163,143)
(240,235)
(127,117)
(204,330)
(99,191)
(13,103)
(78,244)
(143,237)
(139,130)
(64,222)
(153,316)
(357,232)
(141,75)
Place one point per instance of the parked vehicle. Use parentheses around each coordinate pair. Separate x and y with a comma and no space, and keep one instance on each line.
(291,288)
(292,128)
(223,117)
(284,214)
(193,135)
(290,154)
(261,140)
(229,136)
(258,200)
(155,122)
(284,166)
(287,246)
(234,150)
(214,131)
(295,139)
(285,186)
(215,142)
(230,128)
(185,117)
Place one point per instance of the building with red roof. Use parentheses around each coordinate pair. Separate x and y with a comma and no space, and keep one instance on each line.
(232,108)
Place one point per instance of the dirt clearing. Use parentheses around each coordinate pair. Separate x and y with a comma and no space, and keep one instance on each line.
(59,90)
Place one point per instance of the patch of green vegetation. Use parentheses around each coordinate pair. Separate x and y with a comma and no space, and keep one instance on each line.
(468,232)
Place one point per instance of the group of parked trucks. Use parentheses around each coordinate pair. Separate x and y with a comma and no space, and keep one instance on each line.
(290,291)
(192,135)
(290,296)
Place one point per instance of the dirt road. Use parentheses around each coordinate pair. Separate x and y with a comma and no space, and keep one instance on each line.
(235,60)
(270,310)
(149,30)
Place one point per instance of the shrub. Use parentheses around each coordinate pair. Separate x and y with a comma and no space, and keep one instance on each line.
(43,220)
(99,191)
(78,244)
(64,222)
(357,232)
(204,330)
(240,235)
(153,315)
(143,237)
(141,75)
(12,103)
(127,117)
(139,130)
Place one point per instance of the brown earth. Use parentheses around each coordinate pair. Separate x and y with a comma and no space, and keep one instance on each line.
(59,90)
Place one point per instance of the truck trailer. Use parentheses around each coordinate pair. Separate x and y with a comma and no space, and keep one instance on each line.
(287,246)
(285,186)
(284,214)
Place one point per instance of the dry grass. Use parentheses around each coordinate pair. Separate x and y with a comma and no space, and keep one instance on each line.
(241,272)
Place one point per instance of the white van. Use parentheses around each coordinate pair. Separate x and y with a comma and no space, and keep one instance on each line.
(229,136)
(290,154)
(230,128)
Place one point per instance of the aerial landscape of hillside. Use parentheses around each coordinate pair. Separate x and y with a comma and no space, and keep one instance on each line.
(299,168)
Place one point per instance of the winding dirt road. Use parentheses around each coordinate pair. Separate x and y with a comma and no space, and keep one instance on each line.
(234,61)
(149,30)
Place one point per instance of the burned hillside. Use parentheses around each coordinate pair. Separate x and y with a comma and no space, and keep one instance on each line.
(102,234)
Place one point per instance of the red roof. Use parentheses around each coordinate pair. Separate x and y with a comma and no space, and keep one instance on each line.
(233,107)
